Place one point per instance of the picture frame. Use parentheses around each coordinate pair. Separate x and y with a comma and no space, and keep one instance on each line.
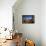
(28,19)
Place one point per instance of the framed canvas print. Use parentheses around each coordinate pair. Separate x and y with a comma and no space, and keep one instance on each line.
(30,19)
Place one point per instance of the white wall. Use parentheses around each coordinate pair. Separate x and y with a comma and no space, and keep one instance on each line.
(29,7)
(43,22)
(6,13)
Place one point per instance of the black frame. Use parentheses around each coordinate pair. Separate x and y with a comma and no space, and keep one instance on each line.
(30,19)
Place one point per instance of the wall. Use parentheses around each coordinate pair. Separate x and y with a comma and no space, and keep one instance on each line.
(6,13)
(43,22)
(30,31)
